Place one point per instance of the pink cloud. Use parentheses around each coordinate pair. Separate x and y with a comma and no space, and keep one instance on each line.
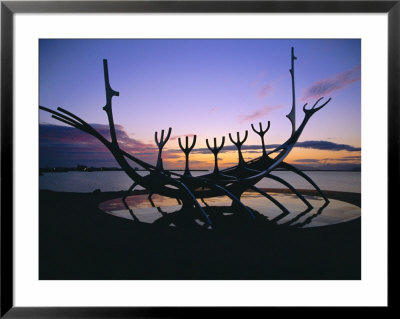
(66,144)
(333,83)
(259,113)
(264,91)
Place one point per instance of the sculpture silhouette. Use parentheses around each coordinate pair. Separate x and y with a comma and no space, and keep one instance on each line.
(187,189)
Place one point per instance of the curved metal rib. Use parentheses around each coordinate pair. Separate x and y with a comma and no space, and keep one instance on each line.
(126,204)
(294,190)
(273,200)
(195,202)
(306,177)
(310,219)
(234,198)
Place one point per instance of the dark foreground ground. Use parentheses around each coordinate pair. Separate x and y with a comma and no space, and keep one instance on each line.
(79,241)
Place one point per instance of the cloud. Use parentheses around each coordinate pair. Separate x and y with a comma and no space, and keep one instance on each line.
(56,134)
(318,145)
(213,109)
(68,146)
(264,91)
(170,156)
(334,83)
(259,113)
(343,159)
(326,145)
(347,161)
(226,148)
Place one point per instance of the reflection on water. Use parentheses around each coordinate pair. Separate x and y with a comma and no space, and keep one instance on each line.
(118,180)
(299,215)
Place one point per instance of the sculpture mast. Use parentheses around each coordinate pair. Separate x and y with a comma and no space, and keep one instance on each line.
(292,115)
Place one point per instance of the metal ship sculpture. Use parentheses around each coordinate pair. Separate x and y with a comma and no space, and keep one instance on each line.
(188,189)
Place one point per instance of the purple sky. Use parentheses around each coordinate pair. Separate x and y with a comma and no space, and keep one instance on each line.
(205,87)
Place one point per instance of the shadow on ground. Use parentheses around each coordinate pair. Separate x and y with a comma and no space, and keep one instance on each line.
(78,241)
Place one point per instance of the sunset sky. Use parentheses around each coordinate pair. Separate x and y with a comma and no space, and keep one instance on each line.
(205,87)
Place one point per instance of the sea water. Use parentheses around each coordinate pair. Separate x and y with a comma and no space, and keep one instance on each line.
(345,181)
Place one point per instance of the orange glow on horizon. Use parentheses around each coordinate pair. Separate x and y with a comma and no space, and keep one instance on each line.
(297,156)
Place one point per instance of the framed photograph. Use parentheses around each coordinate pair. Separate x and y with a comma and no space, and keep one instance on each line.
(159,156)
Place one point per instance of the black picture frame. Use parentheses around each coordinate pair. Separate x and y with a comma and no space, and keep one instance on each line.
(9,8)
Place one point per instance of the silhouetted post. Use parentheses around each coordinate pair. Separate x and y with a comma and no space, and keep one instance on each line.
(160,145)
(110,93)
(261,133)
(238,145)
(187,150)
(215,151)
(292,115)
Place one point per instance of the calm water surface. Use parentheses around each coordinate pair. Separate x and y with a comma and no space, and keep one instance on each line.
(138,208)
(118,180)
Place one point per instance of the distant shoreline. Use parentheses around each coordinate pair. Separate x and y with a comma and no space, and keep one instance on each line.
(66,170)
